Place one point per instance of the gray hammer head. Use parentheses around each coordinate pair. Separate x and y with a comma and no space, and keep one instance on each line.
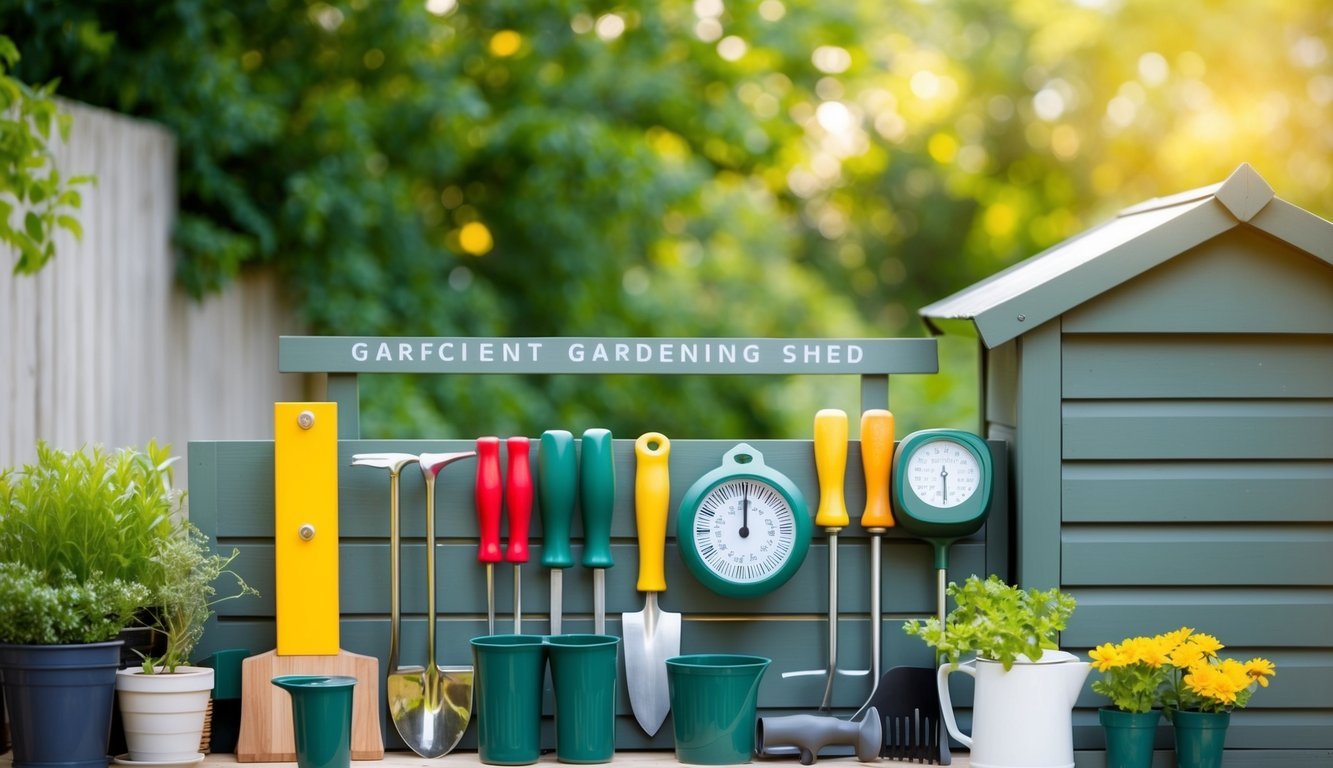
(394,462)
(432,463)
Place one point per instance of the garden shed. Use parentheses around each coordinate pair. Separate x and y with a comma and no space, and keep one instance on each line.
(1165,384)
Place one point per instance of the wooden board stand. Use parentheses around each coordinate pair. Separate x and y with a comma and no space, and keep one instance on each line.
(266,734)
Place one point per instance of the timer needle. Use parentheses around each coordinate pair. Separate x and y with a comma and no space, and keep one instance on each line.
(944,484)
(745,513)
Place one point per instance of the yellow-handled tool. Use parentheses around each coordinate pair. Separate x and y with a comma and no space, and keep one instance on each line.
(651,635)
(831,465)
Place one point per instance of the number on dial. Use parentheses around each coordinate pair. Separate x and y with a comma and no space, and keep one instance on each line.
(744,530)
(943,473)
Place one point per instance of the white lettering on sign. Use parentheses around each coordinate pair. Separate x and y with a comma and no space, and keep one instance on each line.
(673,353)
(816,353)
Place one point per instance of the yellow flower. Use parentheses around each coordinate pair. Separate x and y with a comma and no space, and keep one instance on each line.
(1146,650)
(1106,656)
(1259,670)
(1186,656)
(1172,639)
(1206,643)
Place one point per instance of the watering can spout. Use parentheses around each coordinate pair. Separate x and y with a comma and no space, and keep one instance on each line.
(1076,673)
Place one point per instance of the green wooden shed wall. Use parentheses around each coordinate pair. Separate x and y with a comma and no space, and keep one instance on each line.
(1165,384)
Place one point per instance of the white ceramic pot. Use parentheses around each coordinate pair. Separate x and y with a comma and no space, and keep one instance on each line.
(1021,718)
(163,714)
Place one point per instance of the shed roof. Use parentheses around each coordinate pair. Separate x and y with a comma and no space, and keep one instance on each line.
(1012,301)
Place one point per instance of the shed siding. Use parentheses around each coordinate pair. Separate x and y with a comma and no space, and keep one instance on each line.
(1197,467)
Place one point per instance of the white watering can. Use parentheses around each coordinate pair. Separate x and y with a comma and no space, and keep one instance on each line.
(1020,718)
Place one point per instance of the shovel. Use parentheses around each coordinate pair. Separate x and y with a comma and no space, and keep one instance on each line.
(430,707)
(651,635)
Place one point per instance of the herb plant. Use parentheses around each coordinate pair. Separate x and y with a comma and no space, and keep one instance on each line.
(185,572)
(996,621)
(35,610)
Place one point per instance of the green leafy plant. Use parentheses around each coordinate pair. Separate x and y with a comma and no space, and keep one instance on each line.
(183,599)
(78,530)
(996,621)
(30,185)
(89,512)
(35,610)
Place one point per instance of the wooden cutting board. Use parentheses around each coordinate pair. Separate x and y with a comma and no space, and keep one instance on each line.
(305,539)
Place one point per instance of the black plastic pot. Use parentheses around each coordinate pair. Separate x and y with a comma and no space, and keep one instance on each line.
(59,699)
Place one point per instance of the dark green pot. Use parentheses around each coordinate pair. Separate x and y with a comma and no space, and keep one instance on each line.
(1200,737)
(1129,737)
(59,699)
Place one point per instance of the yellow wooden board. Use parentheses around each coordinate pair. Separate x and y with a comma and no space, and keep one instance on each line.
(305,490)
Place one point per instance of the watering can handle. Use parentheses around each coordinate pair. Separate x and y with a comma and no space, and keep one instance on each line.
(946,704)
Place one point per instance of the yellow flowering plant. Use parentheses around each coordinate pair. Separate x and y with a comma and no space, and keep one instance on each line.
(1176,670)
(1204,681)
(1134,671)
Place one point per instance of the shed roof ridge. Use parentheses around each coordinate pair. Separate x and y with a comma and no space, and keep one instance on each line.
(1244,193)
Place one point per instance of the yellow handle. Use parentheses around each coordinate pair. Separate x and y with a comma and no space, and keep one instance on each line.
(305,496)
(876,454)
(831,463)
(652,491)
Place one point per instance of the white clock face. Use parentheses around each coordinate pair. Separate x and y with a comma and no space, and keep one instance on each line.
(744,530)
(943,473)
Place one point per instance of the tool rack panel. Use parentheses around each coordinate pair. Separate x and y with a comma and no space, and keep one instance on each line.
(231,497)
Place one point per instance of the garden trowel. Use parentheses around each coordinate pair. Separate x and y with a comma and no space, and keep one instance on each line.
(651,635)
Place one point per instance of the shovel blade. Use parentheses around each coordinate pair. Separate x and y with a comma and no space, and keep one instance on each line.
(651,637)
(430,711)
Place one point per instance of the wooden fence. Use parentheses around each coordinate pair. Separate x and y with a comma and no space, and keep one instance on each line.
(102,347)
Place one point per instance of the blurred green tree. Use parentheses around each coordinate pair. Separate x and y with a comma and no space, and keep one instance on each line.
(703,168)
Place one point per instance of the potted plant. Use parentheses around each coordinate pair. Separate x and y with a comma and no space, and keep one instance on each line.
(1134,673)
(1025,686)
(76,529)
(1202,690)
(163,700)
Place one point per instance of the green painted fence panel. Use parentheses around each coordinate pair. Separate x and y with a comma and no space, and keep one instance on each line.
(231,494)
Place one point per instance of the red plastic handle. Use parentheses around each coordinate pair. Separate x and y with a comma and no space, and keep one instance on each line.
(518,499)
(488,493)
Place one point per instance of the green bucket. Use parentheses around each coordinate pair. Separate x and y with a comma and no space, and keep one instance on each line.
(321,718)
(713,706)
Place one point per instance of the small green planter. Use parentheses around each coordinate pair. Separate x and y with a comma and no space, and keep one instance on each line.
(1200,738)
(1129,736)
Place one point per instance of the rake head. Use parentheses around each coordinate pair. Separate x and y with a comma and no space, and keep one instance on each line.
(908,700)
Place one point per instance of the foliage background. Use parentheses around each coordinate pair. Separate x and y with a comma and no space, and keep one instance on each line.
(705,168)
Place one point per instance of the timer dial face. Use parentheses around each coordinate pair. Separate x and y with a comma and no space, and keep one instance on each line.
(743,527)
(744,530)
(943,473)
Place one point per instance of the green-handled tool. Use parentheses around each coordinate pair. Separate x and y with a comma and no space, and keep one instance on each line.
(597,496)
(557,484)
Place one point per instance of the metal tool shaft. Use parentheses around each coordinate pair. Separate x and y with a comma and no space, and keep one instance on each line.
(832,618)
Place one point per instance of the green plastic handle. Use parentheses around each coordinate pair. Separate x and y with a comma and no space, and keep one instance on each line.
(597,496)
(557,475)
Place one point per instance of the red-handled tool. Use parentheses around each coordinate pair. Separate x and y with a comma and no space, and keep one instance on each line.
(489,493)
(518,506)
